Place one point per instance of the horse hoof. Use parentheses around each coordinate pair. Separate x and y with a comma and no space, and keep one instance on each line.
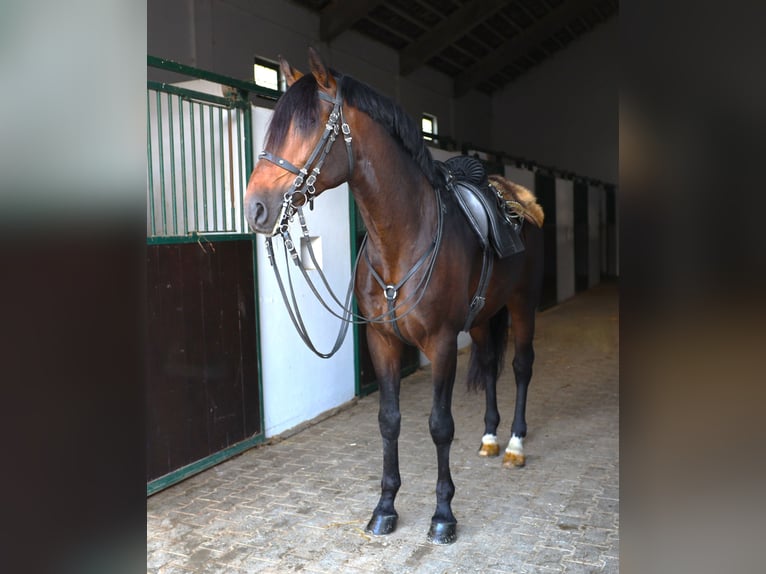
(381,524)
(442,532)
(489,450)
(512,459)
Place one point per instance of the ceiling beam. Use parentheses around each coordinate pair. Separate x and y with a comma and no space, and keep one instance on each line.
(520,45)
(456,25)
(340,15)
(405,16)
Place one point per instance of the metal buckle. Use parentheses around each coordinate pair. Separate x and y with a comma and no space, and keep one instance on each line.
(297,199)
(390,292)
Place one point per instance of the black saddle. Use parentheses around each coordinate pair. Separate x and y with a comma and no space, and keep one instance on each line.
(467,179)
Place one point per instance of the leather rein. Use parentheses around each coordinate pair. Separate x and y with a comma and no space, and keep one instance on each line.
(303,190)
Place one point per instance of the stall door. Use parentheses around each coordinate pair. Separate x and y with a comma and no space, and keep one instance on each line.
(581,236)
(545,190)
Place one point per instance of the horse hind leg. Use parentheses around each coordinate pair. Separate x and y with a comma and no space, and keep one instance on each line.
(487,353)
(523,321)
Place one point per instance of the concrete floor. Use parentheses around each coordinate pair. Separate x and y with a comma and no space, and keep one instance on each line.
(302,503)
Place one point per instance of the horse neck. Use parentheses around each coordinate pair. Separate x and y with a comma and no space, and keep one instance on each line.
(395,200)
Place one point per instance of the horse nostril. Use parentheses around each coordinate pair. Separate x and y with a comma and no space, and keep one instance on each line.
(256,213)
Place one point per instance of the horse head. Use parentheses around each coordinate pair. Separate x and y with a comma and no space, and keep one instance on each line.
(299,161)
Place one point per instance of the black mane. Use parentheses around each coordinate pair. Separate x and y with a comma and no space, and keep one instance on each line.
(397,122)
(299,104)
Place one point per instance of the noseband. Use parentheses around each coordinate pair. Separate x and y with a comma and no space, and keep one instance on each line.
(303,189)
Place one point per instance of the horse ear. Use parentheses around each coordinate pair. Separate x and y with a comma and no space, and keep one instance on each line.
(323,76)
(291,74)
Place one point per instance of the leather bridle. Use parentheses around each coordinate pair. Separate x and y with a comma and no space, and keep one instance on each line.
(303,188)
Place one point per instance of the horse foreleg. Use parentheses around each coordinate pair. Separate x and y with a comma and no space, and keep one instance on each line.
(523,320)
(443,528)
(386,357)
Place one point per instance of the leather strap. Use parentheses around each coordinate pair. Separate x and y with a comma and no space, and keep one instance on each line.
(477,303)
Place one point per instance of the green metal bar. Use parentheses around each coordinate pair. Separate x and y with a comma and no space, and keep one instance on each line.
(183,166)
(248,141)
(198,466)
(248,116)
(174,200)
(241,163)
(193,94)
(149,162)
(171,66)
(232,192)
(204,174)
(221,154)
(212,170)
(194,237)
(194,163)
(162,166)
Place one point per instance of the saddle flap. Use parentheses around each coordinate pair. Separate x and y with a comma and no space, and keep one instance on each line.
(473,209)
(485,218)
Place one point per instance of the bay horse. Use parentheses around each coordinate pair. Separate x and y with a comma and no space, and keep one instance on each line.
(421,265)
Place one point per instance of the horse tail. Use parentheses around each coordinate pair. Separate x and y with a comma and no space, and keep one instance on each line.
(487,362)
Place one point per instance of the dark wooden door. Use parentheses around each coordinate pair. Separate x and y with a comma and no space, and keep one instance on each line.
(611,233)
(581,241)
(545,190)
(202,362)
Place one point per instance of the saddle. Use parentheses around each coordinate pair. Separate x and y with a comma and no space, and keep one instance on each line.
(487,214)
(483,207)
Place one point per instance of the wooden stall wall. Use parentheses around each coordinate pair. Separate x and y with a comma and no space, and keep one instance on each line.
(201,345)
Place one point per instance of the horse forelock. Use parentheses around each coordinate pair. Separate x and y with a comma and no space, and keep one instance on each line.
(297,106)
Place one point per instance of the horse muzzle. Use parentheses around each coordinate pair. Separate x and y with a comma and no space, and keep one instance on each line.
(264,216)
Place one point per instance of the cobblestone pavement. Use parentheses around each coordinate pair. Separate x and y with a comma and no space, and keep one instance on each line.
(301,504)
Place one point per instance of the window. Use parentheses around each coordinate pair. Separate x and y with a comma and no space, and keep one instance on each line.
(267,75)
(428,125)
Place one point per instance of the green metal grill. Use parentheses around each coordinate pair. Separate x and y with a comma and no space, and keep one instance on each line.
(199,153)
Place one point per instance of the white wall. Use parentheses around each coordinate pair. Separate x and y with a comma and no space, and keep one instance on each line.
(564,112)
(298,385)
